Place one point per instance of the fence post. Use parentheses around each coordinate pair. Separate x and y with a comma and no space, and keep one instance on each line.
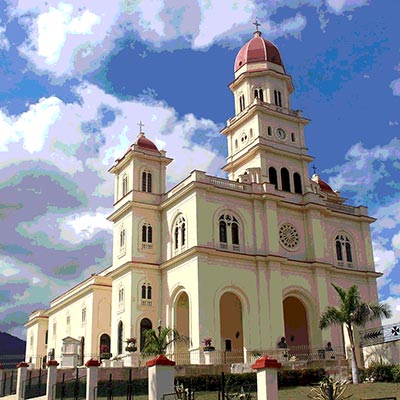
(91,378)
(267,378)
(1,380)
(51,379)
(161,377)
(21,378)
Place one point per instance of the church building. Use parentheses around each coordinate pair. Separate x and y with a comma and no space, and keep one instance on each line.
(244,261)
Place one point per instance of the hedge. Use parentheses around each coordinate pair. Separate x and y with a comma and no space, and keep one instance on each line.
(381,373)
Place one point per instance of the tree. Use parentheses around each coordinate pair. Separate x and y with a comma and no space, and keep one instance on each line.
(351,312)
(158,342)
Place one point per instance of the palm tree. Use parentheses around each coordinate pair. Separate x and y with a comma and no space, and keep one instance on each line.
(156,343)
(352,312)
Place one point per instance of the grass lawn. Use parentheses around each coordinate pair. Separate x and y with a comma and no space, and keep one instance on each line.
(361,391)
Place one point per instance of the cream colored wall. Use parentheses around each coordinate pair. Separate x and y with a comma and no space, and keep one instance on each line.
(36,350)
(98,315)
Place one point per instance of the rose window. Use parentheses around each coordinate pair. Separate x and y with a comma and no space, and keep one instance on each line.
(288,236)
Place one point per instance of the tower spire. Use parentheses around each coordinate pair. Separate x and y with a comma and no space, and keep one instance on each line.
(257,32)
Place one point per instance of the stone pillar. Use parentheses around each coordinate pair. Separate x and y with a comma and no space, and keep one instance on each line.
(267,378)
(1,380)
(21,378)
(91,378)
(161,377)
(51,379)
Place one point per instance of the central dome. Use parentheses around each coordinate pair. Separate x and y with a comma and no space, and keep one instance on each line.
(258,50)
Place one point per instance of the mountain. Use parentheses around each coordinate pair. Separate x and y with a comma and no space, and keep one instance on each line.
(11,345)
(12,350)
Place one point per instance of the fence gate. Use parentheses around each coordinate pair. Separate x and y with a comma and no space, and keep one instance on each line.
(8,385)
(71,389)
(35,384)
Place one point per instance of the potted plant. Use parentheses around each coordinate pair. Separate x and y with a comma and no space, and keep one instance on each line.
(208,344)
(208,350)
(131,345)
(104,352)
(117,361)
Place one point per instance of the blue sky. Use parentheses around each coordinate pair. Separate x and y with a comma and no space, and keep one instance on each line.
(77,76)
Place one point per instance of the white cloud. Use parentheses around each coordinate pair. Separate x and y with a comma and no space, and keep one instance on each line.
(4,43)
(394,303)
(339,6)
(71,38)
(395,86)
(83,226)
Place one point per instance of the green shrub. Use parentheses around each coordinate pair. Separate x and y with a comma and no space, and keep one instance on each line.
(396,373)
(379,373)
(286,378)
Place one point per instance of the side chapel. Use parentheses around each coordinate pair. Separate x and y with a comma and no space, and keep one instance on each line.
(244,260)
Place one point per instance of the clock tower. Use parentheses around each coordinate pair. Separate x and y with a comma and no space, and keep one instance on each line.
(265,137)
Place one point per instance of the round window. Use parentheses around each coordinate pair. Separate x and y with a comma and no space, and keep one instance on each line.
(288,236)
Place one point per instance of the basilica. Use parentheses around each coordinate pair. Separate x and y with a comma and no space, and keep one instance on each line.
(235,263)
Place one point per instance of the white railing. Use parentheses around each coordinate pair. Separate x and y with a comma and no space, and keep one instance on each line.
(227,184)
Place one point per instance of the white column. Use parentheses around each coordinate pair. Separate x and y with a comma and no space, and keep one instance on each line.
(91,378)
(161,377)
(21,378)
(267,378)
(51,379)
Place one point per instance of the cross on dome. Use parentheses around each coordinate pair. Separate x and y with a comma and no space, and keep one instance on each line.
(257,24)
(141,125)
(314,168)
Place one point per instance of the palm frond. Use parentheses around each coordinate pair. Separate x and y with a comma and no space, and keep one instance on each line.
(331,316)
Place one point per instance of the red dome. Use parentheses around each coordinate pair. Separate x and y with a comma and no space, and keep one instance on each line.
(258,50)
(322,184)
(144,143)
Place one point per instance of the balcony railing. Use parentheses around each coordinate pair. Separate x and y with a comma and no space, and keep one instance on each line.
(382,334)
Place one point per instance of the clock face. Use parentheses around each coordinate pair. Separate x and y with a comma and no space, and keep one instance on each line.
(281,134)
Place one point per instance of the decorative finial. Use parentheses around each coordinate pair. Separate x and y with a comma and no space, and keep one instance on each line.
(314,169)
(141,125)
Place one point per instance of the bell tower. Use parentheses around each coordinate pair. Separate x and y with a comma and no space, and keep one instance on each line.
(265,137)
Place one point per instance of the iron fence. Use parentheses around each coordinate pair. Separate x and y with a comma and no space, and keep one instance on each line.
(8,385)
(35,384)
(72,388)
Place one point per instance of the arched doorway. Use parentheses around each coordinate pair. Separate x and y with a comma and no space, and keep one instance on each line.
(182,323)
(104,348)
(296,325)
(231,327)
(145,324)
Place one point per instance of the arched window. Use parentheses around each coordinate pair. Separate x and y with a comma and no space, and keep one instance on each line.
(121,295)
(147,236)
(145,324)
(236,144)
(297,183)
(120,337)
(258,94)
(122,240)
(143,291)
(285,180)
(124,184)
(105,342)
(278,98)
(269,131)
(241,103)
(292,137)
(273,176)
(146,181)
(146,294)
(349,257)
(179,234)
(339,254)
(343,247)
(222,231)
(228,232)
